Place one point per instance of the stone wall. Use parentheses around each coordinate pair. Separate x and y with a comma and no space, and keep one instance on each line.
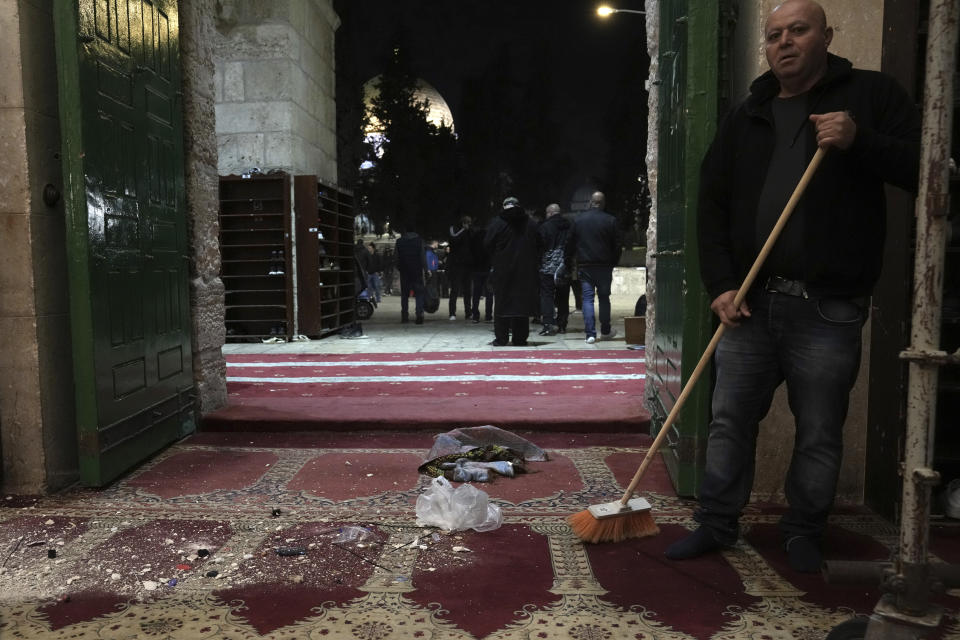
(197,37)
(36,378)
(274,87)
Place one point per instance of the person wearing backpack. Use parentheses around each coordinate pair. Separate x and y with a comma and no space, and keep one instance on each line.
(555,241)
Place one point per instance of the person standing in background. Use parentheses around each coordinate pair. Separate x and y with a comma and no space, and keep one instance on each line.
(513,244)
(597,245)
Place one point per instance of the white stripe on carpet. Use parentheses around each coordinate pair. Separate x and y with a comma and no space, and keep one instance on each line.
(408,363)
(471,378)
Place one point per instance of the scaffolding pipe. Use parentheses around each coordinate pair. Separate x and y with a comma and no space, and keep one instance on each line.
(912,597)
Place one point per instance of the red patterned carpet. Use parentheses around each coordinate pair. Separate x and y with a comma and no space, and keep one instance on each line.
(136,560)
(550,390)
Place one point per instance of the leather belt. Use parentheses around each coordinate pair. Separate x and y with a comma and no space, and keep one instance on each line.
(776,284)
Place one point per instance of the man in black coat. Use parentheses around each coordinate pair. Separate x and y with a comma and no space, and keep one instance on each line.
(597,243)
(411,257)
(480,275)
(512,243)
(555,240)
(801,321)
(459,267)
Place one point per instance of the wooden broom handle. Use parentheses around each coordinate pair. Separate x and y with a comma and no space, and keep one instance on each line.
(738,299)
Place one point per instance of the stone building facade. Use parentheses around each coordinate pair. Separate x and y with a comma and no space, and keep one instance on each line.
(282,50)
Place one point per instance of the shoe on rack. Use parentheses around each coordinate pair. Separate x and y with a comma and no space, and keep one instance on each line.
(590,339)
(609,336)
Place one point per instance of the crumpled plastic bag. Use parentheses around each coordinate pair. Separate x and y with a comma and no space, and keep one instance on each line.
(465,507)
(467,438)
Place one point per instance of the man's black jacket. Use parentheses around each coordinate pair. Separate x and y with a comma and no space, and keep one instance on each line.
(596,239)
(844,205)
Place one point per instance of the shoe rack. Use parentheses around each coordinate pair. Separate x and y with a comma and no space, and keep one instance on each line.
(326,269)
(255,248)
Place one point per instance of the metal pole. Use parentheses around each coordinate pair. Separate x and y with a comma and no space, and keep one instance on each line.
(913,592)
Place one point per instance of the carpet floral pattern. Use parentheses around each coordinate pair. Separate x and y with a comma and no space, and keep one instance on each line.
(241,536)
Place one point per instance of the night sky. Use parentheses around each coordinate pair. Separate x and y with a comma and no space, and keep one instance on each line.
(586,59)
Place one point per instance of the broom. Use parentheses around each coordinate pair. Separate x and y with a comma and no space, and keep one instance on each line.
(630,517)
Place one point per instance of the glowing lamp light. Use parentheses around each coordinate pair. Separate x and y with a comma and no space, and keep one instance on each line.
(605,11)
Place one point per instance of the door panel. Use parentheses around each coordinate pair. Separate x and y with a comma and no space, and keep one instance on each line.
(127,249)
(688,112)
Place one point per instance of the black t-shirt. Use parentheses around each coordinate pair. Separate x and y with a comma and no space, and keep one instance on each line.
(787,164)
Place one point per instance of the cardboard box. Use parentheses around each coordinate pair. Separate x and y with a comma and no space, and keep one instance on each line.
(635,328)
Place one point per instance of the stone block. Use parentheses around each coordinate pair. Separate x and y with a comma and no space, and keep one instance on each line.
(14,188)
(20,407)
(252,117)
(204,227)
(210,372)
(258,42)
(208,309)
(268,80)
(57,400)
(11,71)
(38,57)
(239,152)
(311,61)
(259,12)
(48,241)
(16,268)
(218,84)
(233,89)
(42,137)
(199,130)
(298,15)
(280,151)
(305,125)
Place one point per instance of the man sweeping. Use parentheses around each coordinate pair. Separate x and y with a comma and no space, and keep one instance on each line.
(801,321)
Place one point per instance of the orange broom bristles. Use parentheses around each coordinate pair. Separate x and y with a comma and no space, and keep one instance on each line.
(630,525)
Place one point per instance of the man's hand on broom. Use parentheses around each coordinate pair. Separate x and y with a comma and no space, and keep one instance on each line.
(729,314)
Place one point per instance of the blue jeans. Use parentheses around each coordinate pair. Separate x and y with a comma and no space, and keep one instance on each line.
(813,345)
(373,281)
(596,280)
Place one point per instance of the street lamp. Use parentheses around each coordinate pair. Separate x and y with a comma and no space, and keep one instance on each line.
(605,11)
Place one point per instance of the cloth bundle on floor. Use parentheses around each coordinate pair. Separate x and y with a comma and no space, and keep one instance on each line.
(469,454)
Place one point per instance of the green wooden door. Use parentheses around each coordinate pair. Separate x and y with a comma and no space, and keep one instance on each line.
(688,113)
(120,114)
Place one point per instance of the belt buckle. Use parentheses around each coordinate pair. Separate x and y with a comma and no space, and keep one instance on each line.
(778,284)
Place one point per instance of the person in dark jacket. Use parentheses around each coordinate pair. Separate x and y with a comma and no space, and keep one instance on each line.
(512,243)
(480,275)
(801,322)
(411,260)
(597,243)
(459,267)
(555,240)
(374,274)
